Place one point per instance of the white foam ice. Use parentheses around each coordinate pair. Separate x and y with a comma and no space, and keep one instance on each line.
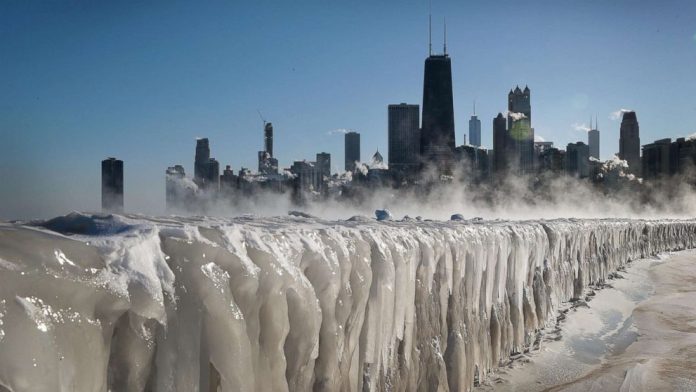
(292,303)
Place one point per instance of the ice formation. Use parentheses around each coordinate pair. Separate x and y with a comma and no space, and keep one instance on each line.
(90,303)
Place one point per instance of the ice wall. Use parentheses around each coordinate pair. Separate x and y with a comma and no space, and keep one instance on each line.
(92,303)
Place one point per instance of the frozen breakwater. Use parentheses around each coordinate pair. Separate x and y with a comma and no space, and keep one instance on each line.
(91,303)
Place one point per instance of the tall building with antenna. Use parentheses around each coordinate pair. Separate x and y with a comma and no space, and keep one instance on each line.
(437,129)
(593,140)
(474,129)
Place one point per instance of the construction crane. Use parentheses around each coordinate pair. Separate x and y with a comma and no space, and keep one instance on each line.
(261,115)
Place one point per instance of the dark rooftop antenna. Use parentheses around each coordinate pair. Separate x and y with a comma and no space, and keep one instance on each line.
(430,29)
(474,107)
(445,45)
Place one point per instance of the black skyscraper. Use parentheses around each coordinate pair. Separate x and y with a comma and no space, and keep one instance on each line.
(404,137)
(206,169)
(501,144)
(200,167)
(437,131)
(268,138)
(112,185)
(352,152)
(629,142)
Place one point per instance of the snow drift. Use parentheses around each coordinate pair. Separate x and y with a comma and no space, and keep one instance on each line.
(95,303)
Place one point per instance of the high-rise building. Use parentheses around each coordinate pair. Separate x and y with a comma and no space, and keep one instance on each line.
(200,166)
(593,141)
(521,133)
(474,161)
(268,138)
(206,169)
(657,160)
(112,185)
(352,150)
(629,142)
(551,160)
(228,180)
(177,190)
(404,137)
(501,145)
(578,159)
(474,130)
(684,154)
(267,164)
(306,176)
(212,174)
(324,165)
(437,129)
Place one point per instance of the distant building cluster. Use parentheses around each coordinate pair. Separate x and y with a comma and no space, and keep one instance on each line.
(421,149)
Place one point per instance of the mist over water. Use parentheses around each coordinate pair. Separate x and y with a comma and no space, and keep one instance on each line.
(514,197)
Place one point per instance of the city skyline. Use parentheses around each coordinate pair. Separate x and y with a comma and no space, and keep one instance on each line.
(154,137)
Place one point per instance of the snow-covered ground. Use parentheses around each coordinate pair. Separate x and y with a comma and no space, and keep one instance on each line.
(296,303)
(638,335)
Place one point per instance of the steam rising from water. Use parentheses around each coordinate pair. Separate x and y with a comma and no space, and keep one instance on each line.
(620,195)
(618,114)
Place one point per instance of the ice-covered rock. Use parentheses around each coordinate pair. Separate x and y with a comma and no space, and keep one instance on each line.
(285,304)
(301,214)
(383,215)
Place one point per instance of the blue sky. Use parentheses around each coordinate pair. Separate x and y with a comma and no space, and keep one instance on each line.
(83,80)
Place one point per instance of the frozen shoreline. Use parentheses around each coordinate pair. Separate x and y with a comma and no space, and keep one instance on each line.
(638,335)
(91,302)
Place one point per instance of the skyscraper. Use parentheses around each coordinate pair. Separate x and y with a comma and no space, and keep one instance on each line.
(324,165)
(501,144)
(404,137)
(176,191)
(112,185)
(201,161)
(352,150)
(629,142)
(474,130)
(578,159)
(206,169)
(520,129)
(437,130)
(657,160)
(267,164)
(268,138)
(212,174)
(593,141)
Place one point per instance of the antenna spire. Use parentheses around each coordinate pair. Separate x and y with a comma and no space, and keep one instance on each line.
(430,29)
(445,45)
(474,107)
